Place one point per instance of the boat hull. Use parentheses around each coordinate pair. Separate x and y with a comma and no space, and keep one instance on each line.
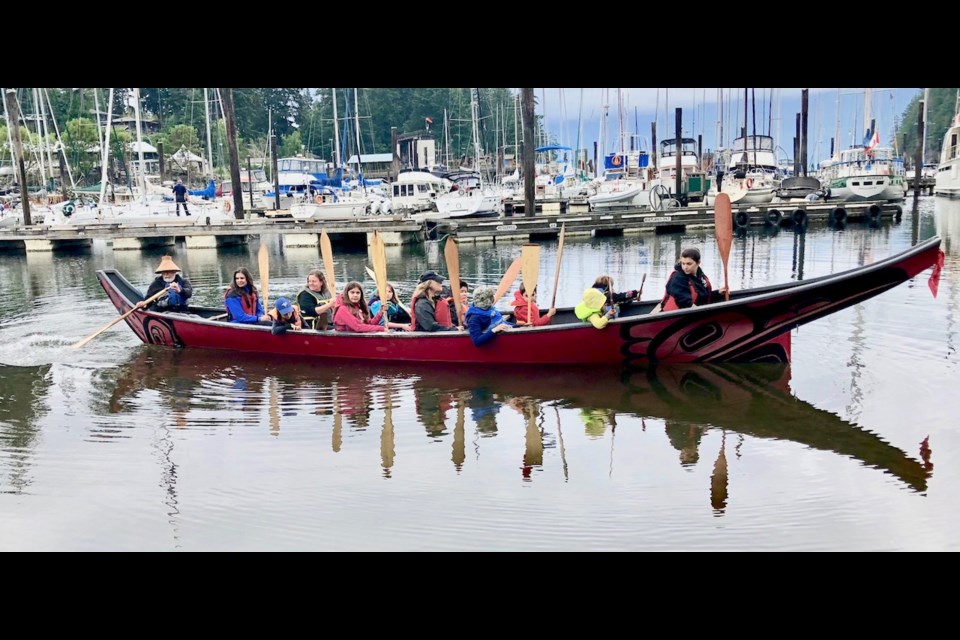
(753,326)
(867,188)
(947,181)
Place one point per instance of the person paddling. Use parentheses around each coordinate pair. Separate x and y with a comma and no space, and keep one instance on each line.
(179,288)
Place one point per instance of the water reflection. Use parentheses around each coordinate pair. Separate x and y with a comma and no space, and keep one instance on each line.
(22,407)
(691,401)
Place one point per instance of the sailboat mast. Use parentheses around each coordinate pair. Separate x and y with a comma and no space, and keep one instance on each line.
(46,134)
(6,117)
(136,114)
(66,161)
(446,139)
(356,125)
(206,109)
(620,116)
(36,112)
(926,102)
(836,143)
(336,131)
(106,148)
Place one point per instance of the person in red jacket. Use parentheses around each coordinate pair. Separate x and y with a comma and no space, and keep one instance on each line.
(523,316)
(352,313)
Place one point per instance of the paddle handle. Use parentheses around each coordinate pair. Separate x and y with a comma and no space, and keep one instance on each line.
(373,277)
(263,260)
(326,253)
(556,274)
(139,305)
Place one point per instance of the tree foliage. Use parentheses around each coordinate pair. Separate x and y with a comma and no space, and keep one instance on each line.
(940,114)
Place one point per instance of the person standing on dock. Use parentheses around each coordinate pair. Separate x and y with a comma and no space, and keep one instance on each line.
(180,195)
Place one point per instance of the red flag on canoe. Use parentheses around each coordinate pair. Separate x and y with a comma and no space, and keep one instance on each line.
(934,281)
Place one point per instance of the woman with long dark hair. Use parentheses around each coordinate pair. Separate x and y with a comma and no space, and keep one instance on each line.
(242,300)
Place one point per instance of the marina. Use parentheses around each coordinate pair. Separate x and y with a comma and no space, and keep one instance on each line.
(180,451)
(397,230)
(746,339)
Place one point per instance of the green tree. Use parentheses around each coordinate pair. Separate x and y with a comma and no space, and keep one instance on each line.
(940,114)
(181,135)
(80,146)
(291,145)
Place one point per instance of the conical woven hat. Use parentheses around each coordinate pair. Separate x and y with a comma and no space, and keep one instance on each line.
(167,264)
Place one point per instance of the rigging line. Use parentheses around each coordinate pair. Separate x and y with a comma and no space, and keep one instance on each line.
(66,163)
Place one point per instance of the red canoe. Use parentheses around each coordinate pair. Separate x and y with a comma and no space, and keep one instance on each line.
(753,326)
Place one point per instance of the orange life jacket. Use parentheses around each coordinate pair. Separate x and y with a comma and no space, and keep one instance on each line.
(669,304)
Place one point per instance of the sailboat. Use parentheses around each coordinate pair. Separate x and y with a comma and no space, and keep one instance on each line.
(624,181)
(469,195)
(866,171)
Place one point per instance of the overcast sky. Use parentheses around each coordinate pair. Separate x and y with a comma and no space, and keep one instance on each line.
(565,109)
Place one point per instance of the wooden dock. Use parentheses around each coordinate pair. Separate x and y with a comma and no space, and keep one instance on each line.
(613,222)
(926,184)
(396,230)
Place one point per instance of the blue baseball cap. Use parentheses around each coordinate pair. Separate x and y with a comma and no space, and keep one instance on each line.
(284,306)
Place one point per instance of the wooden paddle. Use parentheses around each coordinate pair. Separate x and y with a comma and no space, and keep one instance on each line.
(263,259)
(452,254)
(373,276)
(508,279)
(379,255)
(530,255)
(146,302)
(718,479)
(326,253)
(723,227)
(556,275)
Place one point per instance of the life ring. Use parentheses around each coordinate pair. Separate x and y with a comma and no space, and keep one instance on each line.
(741,219)
(774,216)
(318,199)
(227,206)
(749,183)
(616,160)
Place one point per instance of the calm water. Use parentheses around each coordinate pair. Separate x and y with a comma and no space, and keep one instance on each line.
(120,446)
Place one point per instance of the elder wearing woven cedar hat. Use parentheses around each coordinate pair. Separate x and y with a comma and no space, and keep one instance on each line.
(178,287)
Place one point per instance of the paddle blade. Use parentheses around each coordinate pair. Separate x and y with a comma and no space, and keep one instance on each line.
(263,260)
(380,267)
(508,279)
(723,227)
(326,254)
(530,256)
(452,254)
(556,274)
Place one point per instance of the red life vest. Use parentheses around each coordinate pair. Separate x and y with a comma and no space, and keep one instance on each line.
(669,304)
(441,312)
(247,301)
